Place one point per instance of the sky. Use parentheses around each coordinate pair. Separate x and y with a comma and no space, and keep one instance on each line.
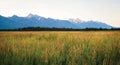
(106,11)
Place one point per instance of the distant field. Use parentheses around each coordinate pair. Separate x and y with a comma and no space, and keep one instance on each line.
(60,48)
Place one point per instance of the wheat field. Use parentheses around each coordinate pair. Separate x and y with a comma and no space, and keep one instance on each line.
(60,48)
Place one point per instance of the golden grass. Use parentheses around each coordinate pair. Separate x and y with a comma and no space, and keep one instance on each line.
(60,48)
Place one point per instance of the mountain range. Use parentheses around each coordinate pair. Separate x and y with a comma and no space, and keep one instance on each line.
(15,22)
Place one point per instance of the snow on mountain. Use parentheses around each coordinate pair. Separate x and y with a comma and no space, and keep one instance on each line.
(32,20)
(77,20)
(93,24)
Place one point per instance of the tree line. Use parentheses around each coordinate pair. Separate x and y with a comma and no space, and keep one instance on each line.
(58,29)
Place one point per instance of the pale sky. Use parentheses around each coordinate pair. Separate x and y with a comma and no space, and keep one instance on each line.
(107,11)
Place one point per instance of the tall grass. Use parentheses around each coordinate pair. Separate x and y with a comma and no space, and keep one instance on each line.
(60,48)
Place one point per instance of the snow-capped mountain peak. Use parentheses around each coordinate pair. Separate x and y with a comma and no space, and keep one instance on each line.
(30,15)
(77,20)
(14,16)
(33,15)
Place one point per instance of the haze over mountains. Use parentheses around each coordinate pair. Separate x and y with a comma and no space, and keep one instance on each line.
(32,20)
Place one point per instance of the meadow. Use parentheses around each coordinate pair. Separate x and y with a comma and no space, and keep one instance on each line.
(60,48)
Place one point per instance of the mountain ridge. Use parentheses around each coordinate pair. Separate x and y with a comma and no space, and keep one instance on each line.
(33,20)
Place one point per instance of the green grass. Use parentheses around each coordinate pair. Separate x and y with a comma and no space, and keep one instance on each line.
(60,48)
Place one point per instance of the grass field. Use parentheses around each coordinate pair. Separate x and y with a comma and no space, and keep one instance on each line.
(60,48)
